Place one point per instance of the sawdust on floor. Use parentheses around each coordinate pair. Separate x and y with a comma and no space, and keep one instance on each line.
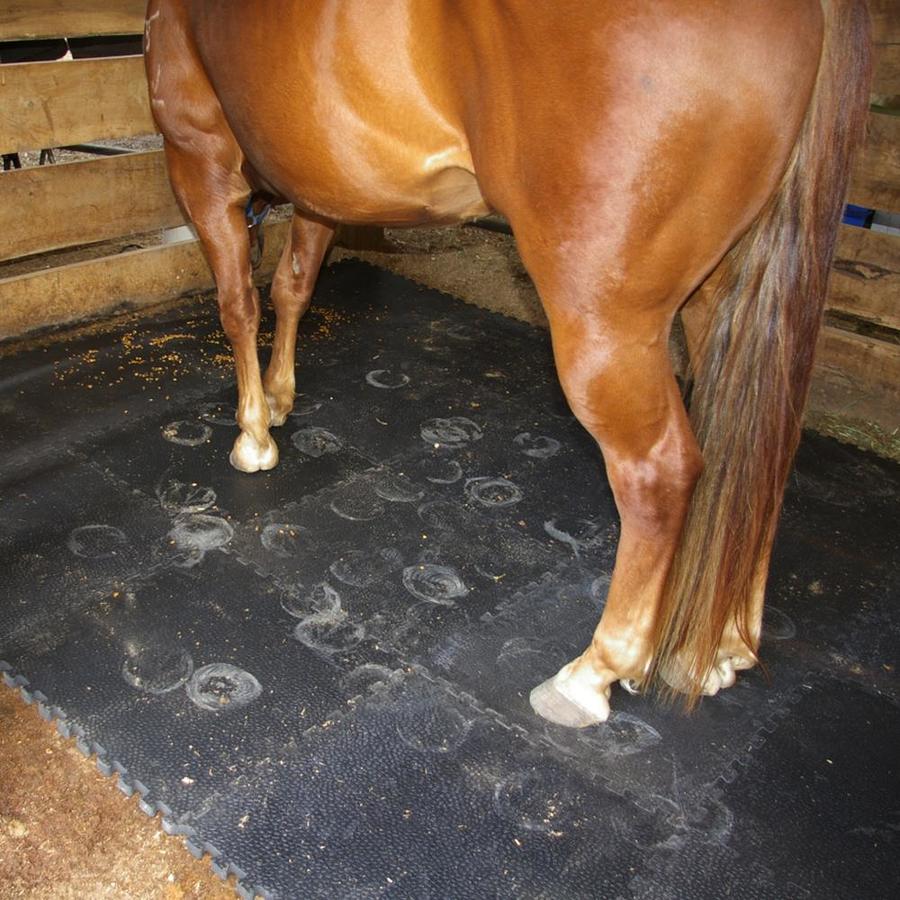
(66,831)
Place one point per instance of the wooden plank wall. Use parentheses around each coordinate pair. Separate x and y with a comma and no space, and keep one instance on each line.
(51,104)
(84,202)
(29,19)
(865,281)
(45,104)
(125,281)
(858,358)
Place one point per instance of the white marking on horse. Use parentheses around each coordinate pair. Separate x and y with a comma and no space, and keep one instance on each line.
(148,23)
(435,160)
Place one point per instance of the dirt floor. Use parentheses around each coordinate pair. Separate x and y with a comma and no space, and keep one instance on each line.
(65,830)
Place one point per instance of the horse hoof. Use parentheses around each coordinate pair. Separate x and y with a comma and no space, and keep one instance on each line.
(549,702)
(727,672)
(720,677)
(248,455)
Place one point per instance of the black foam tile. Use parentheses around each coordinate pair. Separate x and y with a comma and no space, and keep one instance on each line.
(812,798)
(805,816)
(656,754)
(406,568)
(836,564)
(190,676)
(370,317)
(67,535)
(519,472)
(181,460)
(399,365)
(22,447)
(702,861)
(60,392)
(828,475)
(416,794)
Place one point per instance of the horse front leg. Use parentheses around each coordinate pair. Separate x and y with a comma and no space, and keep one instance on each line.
(206,169)
(213,192)
(292,287)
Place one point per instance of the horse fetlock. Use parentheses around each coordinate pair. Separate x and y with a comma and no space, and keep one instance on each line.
(733,646)
(684,677)
(627,653)
(250,454)
(280,404)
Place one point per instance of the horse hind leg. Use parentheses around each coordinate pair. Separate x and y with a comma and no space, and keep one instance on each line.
(617,376)
(611,305)
(292,288)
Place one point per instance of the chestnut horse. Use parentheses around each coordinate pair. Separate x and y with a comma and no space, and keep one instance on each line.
(648,156)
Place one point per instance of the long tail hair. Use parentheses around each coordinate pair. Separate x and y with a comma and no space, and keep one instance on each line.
(752,380)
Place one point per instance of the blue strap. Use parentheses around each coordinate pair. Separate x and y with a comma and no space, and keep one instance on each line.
(255,218)
(861,216)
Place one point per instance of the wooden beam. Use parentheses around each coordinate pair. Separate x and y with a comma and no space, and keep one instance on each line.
(886,77)
(865,281)
(876,172)
(857,376)
(51,104)
(885,21)
(49,207)
(30,19)
(125,281)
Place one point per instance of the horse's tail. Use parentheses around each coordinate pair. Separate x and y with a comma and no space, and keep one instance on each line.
(752,380)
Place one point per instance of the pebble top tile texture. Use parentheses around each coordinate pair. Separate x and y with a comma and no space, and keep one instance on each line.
(320,674)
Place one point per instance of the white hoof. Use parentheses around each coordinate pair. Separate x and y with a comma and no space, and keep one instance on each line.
(721,676)
(727,673)
(563,700)
(248,455)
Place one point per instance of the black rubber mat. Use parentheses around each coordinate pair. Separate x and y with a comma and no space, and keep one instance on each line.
(320,674)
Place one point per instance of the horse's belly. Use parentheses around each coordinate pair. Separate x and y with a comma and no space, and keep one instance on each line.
(365,178)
